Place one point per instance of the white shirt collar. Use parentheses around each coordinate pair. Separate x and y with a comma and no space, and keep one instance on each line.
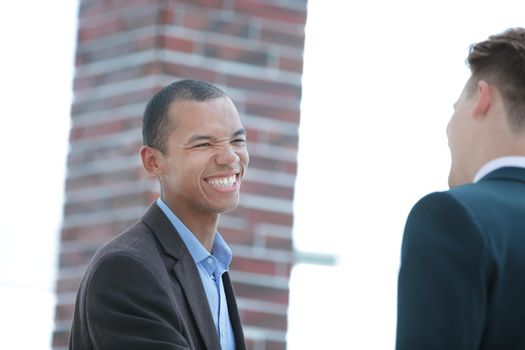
(510,161)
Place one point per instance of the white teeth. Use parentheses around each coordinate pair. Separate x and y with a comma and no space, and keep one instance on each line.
(222,181)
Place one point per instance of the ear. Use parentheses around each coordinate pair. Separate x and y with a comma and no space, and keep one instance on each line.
(484,99)
(151,160)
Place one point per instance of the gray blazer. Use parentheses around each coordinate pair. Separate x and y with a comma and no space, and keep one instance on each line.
(142,290)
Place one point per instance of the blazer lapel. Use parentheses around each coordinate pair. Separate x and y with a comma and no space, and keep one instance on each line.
(190,281)
(186,273)
(233,312)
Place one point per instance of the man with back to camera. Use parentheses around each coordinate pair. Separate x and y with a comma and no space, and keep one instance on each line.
(462,277)
(164,283)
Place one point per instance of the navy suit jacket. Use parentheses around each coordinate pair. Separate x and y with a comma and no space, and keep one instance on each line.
(462,277)
(143,291)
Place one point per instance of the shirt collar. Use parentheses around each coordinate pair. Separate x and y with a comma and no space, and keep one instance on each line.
(510,161)
(220,249)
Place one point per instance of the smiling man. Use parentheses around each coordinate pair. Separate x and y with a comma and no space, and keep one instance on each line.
(462,277)
(164,283)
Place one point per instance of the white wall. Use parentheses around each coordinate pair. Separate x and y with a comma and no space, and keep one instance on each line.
(380,79)
(36,65)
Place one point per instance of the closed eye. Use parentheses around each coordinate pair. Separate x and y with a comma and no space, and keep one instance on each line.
(239,142)
(202,145)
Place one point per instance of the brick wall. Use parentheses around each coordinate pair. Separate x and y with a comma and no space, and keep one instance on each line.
(126,51)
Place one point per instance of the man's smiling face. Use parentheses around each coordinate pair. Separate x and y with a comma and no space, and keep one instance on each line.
(205,158)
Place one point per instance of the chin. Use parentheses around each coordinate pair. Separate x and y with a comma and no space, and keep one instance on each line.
(226,207)
(452,181)
(231,207)
(454,175)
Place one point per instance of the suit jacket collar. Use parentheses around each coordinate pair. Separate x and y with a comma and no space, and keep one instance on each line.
(506,173)
(499,162)
(233,312)
(165,233)
(186,273)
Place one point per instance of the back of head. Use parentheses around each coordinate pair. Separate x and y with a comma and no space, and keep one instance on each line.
(156,124)
(500,61)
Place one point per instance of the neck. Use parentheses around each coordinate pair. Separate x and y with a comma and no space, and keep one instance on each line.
(202,224)
(204,231)
(508,145)
(498,139)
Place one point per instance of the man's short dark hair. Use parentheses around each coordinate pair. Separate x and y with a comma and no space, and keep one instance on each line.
(156,124)
(500,61)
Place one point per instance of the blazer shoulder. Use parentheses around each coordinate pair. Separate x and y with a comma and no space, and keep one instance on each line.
(436,202)
(137,243)
(138,239)
(446,212)
(459,201)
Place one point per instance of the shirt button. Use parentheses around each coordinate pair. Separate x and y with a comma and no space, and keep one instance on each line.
(210,260)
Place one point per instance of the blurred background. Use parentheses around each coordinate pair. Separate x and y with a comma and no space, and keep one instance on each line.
(345,105)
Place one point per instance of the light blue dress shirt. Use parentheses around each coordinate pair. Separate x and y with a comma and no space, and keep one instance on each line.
(211,267)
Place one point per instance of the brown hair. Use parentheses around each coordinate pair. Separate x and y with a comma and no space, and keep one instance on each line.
(500,61)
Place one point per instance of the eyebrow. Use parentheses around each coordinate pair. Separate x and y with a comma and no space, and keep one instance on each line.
(211,138)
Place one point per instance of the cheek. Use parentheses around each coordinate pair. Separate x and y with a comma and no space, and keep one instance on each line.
(454,130)
(449,128)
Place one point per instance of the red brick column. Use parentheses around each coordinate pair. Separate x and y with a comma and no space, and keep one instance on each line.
(126,51)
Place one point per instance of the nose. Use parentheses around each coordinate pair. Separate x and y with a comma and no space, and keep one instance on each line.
(226,156)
